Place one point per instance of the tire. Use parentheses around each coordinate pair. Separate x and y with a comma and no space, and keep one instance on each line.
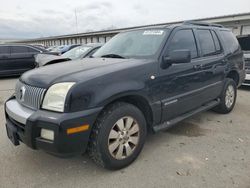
(109,146)
(228,97)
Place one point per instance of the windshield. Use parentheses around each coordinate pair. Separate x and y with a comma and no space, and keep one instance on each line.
(133,44)
(77,52)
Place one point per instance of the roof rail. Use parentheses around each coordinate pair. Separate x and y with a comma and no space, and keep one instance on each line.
(202,24)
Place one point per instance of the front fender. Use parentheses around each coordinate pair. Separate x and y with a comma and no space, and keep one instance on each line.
(114,91)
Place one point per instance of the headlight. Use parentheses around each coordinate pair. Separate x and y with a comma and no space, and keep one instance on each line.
(56,95)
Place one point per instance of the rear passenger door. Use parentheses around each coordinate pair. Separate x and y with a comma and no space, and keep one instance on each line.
(211,63)
(22,58)
(4,59)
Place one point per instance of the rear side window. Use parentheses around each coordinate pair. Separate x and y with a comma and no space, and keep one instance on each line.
(4,49)
(206,42)
(183,39)
(19,49)
(230,41)
(216,42)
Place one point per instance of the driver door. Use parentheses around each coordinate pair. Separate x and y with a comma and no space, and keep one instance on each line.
(181,83)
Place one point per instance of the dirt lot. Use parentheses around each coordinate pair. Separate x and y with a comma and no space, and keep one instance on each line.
(208,150)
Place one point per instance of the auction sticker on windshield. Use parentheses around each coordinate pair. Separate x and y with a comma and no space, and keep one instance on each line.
(153,32)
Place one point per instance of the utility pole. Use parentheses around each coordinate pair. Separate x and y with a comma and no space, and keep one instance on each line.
(76,22)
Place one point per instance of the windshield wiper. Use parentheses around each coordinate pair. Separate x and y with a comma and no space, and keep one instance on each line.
(113,56)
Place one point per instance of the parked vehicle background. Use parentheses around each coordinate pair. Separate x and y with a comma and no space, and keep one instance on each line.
(39,46)
(63,48)
(15,59)
(78,52)
(245,46)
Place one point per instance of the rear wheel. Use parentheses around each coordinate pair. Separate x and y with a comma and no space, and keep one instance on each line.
(228,97)
(118,136)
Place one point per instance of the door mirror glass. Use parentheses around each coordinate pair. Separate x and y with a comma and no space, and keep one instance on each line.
(176,57)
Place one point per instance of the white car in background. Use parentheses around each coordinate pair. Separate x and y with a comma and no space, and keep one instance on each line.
(247,67)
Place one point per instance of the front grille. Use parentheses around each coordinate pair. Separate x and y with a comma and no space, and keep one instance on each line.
(247,82)
(29,96)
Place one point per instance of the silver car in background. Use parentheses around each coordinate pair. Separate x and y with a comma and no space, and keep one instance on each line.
(76,53)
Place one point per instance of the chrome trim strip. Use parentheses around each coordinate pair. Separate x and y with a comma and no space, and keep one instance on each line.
(170,102)
(190,92)
(18,112)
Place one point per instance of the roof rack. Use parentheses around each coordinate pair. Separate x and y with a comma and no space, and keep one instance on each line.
(202,24)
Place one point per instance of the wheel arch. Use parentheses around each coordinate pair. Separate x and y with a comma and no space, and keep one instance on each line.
(141,102)
(234,75)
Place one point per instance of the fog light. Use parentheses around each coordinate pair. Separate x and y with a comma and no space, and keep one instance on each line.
(47,134)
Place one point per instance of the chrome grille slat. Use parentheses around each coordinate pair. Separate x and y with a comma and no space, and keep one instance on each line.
(33,96)
(38,98)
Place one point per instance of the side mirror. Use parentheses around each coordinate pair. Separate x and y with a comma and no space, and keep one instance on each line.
(176,57)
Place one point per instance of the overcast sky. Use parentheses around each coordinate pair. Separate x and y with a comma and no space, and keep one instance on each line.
(40,18)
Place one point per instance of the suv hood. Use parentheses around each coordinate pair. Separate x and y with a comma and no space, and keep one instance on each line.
(78,71)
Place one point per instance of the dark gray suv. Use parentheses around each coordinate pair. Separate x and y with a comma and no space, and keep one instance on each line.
(141,80)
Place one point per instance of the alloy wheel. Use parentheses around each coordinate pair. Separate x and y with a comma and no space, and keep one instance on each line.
(123,138)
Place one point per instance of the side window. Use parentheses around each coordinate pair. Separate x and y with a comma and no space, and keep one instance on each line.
(216,42)
(206,42)
(183,39)
(32,50)
(230,41)
(19,49)
(4,50)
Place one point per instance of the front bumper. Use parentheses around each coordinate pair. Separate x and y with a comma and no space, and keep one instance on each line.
(24,124)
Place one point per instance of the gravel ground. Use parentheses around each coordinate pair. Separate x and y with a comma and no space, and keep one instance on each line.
(207,150)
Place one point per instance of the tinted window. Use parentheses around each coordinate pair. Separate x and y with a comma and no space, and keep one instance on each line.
(244,43)
(183,39)
(230,41)
(206,42)
(216,42)
(4,49)
(19,49)
(32,50)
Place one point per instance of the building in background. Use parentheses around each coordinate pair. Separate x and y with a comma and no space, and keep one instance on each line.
(238,23)
(3,41)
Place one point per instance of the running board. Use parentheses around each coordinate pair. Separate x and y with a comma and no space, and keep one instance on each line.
(172,122)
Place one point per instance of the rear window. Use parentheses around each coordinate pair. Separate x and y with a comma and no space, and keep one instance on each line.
(230,41)
(244,43)
(206,42)
(19,49)
(4,49)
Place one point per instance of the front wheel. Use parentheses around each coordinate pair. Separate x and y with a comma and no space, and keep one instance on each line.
(118,136)
(228,97)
